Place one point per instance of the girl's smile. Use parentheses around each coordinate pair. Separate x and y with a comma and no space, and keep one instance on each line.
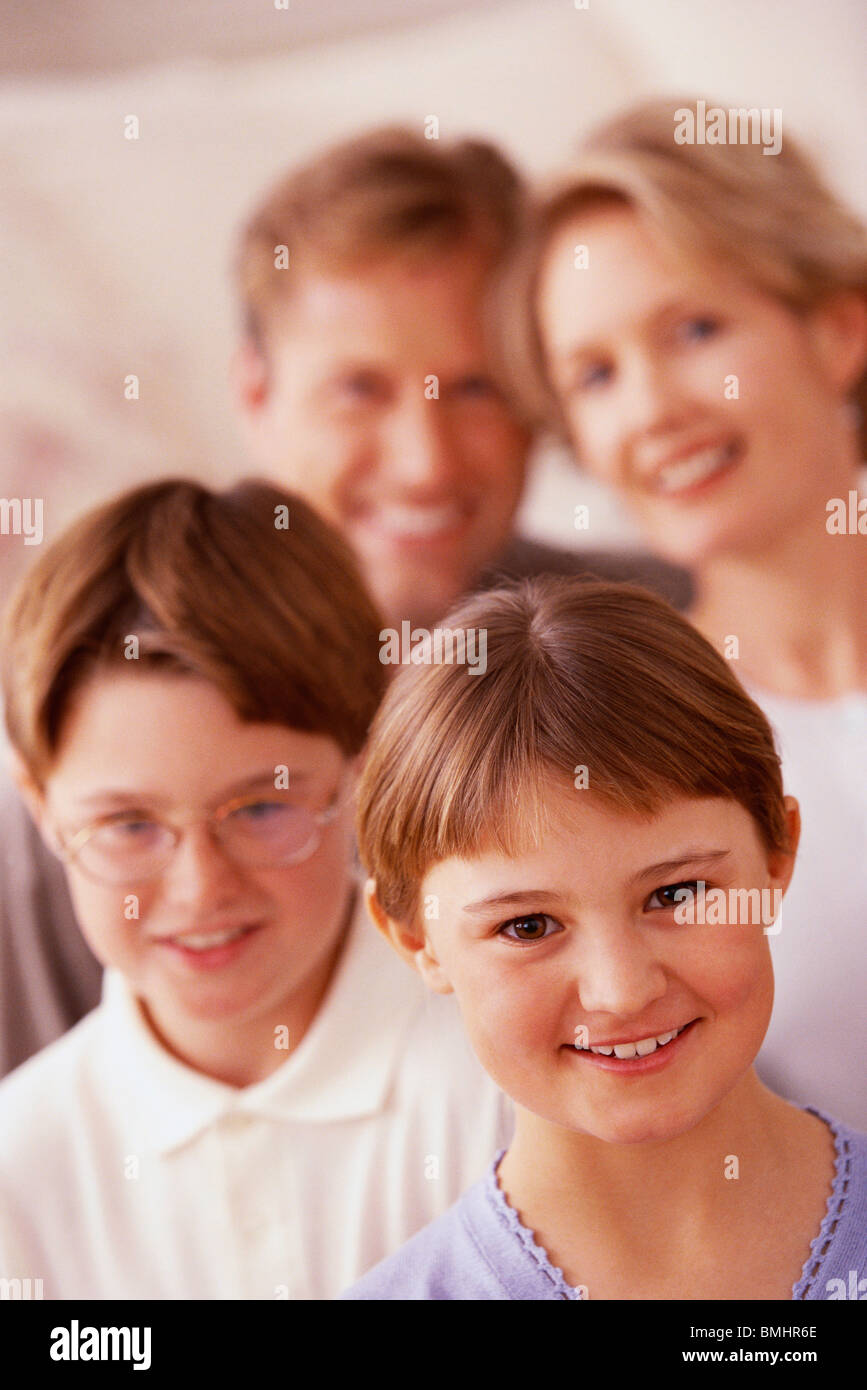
(635,1056)
(595,1007)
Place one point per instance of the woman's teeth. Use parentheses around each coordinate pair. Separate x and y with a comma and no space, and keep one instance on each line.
(209,943)
(694,469)
(642,1048)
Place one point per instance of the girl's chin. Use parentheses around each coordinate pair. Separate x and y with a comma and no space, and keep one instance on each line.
(647,1123)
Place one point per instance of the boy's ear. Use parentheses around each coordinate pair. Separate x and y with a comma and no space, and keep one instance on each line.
(413,946)
(781,863)
(31,794)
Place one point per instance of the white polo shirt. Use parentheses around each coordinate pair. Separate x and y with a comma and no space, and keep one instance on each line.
(125,1174)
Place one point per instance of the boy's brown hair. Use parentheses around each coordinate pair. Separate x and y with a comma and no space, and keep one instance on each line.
(210,584)
(386,193)
(579,673)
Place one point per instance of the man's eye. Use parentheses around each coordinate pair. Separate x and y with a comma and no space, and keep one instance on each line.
(474,386)
(259,810)
(533,927)
(360,387)
(674,894)
(697,329)
(592,376)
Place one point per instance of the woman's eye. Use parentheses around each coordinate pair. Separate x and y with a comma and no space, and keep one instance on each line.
(696,330)
(674,894)
(531,928)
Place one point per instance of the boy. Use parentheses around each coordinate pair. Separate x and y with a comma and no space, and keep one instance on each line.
(260,1106)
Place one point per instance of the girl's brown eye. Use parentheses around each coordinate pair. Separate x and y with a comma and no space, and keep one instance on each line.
(674,894)
(530,928)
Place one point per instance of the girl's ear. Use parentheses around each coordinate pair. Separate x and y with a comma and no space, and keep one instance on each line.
(781,863)
(411,944)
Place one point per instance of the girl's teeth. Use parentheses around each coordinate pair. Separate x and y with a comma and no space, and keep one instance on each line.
(624,1050)
(642,1048)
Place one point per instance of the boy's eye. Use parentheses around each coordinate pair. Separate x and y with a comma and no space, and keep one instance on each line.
(533,927)
(132,830)
(673,894)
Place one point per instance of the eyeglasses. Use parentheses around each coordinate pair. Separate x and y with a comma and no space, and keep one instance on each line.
(268,831)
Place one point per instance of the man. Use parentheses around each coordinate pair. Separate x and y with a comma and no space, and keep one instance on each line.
(364,379)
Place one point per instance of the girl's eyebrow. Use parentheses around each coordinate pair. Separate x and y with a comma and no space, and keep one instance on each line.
(521,895)
(543,896)
(689,856)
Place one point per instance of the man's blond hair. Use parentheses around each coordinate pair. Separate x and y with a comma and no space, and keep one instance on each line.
(390,192)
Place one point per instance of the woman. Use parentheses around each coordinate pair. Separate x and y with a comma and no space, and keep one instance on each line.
(695,317)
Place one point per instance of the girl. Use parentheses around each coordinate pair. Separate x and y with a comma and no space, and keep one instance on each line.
(550,851)
(695,318)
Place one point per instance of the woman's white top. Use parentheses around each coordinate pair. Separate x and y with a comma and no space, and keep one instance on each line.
(816,1048)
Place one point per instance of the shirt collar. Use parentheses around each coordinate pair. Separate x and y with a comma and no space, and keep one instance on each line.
(342,1069)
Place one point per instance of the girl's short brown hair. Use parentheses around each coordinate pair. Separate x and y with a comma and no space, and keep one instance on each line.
(580,674)
(248,589)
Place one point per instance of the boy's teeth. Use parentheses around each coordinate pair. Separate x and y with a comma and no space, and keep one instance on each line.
(642,1048)
(693,469)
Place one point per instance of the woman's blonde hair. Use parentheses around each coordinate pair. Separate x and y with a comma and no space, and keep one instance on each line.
(770,218)
(579,674)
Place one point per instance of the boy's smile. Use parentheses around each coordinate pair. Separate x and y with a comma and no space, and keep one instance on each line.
(207,940)
(598,960)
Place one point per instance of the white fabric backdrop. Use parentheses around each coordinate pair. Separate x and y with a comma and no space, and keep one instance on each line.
(115,252)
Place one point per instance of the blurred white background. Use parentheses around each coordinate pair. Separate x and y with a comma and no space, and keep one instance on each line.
(116,252)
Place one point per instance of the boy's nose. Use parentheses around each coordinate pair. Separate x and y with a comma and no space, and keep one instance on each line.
(200,873)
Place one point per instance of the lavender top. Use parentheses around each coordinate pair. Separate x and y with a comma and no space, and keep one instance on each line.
(479,1249)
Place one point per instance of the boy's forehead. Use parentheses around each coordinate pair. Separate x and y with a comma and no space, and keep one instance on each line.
(148,726)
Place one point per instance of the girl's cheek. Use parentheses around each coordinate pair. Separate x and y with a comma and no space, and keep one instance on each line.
(733,963)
